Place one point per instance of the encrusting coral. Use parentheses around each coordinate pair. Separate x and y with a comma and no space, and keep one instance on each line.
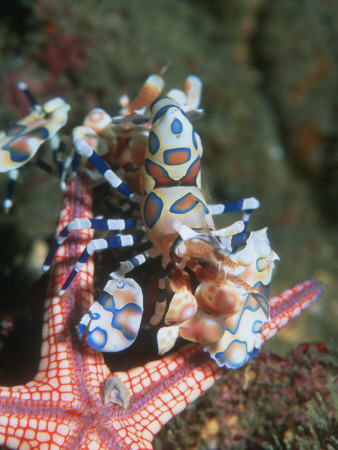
(275,402)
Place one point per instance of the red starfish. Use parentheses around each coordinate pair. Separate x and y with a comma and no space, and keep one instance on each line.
(68,403)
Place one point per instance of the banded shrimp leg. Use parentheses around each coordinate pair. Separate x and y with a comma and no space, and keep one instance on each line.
(235,235)
(116,323)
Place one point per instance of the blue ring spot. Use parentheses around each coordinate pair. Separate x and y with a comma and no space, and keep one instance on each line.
(120,284)
(97,338)
(153,143)
(176,126)
(152,211)
(94,316)
(176,156)
(257,326)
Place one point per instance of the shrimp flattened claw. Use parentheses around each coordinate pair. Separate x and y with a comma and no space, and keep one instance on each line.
(112,323)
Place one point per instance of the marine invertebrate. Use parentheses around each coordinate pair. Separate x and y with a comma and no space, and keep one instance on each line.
(74,401)
(233,267)
(22,139)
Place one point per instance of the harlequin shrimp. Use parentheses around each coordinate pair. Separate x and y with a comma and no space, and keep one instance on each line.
(22,139)
(231,267)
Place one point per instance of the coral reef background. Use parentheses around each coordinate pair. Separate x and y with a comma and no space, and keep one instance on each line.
(273,403)
(270,127)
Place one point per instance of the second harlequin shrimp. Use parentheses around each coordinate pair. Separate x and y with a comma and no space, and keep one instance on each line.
(22,139)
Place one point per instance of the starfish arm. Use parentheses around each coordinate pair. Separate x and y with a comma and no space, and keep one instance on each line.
(164,388)
(289,304)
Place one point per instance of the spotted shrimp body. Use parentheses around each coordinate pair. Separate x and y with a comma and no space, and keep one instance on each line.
(172,177)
